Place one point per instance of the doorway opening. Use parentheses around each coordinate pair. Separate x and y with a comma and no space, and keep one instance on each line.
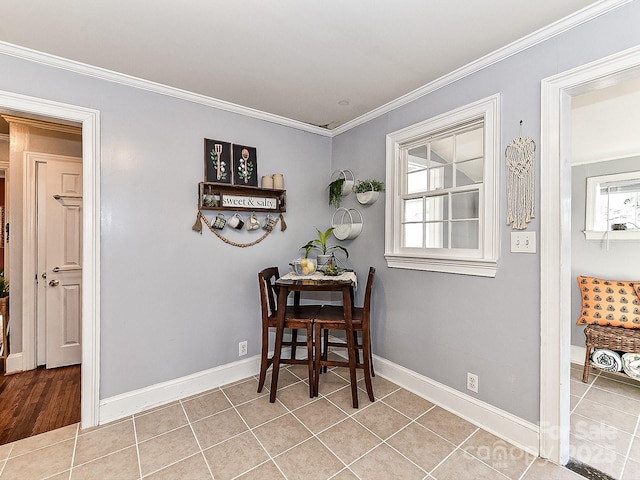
(23,357)
(555,273)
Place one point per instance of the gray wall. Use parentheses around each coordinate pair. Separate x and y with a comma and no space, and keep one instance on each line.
(444,325)
(175,303)
(592,258)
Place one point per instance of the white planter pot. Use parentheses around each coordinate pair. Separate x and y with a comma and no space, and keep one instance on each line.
(367,198)
(322,260)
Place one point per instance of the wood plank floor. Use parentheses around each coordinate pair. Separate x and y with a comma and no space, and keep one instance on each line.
(37,401)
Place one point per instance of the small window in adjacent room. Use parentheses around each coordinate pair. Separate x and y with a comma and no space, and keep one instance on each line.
(443,194)
(613,207)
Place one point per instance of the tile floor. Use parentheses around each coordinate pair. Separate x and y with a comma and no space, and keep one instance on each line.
(605,423)
(233,432)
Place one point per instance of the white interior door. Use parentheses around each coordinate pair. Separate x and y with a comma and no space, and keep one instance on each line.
(59,191)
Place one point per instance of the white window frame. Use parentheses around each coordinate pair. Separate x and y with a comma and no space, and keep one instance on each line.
(593,186)
(481,262)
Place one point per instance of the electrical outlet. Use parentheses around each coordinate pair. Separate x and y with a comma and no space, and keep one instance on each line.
(472,382)
(242,348)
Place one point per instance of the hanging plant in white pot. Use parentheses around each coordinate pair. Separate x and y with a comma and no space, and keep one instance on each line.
(368,191)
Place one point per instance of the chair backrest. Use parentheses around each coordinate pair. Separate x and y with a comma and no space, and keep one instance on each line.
(366,307)
(268,291)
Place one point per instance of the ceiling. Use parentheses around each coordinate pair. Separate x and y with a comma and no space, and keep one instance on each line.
(323,63)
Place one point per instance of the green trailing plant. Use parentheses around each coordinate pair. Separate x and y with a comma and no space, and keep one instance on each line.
(363,186)
(335,192)
(320,243)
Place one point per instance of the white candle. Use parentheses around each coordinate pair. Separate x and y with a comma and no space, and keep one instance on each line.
(267,181)
(278,181)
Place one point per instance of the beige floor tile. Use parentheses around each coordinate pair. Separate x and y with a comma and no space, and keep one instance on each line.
(300,371)
(447,425)
(259,411)
(192,468)
(40,463)
(349,440)
(66,475)
(330,382)
(384,463)
(122,465)
(43,440)
(281,434)
(576,374)
(242,392)
(205,405)
(163,450)
(578,388)
(343,399)
(346,374)
(345,474)
(285,378)
(159,421)
(631,471)
(295,396)
(631,390)
(634,452)
(596,456)
(421,446)
(498,454)
(381,386)
(600,433)
(319,415)
(309,461)
(613,400)
(545,470)
(218,428)
(104,441)
(5,450)
(408,403)
(381,419)
(461,461)
(573,402)
(596,411)
(235,456)
(267,470)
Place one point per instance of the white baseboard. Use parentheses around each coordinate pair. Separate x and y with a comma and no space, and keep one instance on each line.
(14,363)
(505,425)
(577,354)
(123,405)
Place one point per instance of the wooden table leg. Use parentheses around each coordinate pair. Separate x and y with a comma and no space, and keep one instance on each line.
(275,366)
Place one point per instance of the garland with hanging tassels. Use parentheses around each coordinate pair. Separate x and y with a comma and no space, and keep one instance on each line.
(520,155)
(197,227)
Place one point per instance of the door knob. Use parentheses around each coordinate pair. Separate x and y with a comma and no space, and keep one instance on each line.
(54,283)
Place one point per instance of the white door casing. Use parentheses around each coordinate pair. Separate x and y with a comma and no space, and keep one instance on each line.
(90,120)
(62,242)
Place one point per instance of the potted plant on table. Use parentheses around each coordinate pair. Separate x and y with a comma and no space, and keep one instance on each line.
(320,243)
(367,191)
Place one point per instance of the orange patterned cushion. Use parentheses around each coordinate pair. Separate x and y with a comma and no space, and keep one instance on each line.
(609,302)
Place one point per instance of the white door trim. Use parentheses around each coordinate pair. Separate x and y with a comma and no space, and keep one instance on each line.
(90,119)
(555,239)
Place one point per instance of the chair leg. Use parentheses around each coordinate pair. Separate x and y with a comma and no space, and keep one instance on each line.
(294,341)
(367,364)
(312,377)
(325,354)
(317,332)
(265,362)
(585,372)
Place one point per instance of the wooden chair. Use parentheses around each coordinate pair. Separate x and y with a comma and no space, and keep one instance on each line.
(297,317)
(332,317)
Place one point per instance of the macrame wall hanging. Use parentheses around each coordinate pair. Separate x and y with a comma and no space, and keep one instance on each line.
(520,154)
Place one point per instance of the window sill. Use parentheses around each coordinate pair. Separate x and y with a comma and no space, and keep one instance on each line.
(614,235)
(461,266)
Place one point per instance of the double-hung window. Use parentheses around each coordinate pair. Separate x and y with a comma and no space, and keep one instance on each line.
(442,192)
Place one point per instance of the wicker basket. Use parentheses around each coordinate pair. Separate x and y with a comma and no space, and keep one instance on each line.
(614,338)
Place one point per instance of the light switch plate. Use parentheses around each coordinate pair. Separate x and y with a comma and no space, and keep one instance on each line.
(523,242)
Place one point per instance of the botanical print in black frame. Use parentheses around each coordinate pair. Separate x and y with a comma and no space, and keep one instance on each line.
(218,161)
(245,164)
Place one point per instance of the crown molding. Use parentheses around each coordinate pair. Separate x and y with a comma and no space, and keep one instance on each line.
(567,23)
(128,80)
(30,122)
(539,36)
(4,137)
